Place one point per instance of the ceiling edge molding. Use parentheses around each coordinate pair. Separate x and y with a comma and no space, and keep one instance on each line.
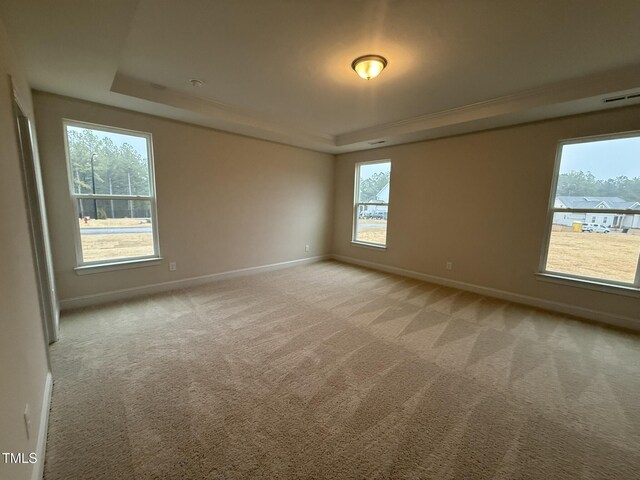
(221,116)
(603,84)
(555,100)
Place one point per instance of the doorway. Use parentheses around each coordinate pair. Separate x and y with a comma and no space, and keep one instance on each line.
(39,232)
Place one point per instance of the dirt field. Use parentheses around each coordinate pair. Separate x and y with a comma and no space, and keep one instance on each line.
(372,231)
(611,256)
(101,247)
(115,245)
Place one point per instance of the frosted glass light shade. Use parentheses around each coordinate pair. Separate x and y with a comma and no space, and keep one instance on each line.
(369,66)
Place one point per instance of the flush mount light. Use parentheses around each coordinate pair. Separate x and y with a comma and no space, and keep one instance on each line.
(369,66)
(196,82)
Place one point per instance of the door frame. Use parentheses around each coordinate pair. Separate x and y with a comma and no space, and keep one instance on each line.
(37,218)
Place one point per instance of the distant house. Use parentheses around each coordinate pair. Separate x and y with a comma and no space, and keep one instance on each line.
(383,194)
(630,220)
(376,211)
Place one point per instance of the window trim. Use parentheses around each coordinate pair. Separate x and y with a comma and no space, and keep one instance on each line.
(111,266)
(356,205)
(119,262)
(565,278)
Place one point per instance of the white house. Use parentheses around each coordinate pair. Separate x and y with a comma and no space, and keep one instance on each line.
(377,211)
(383,194)
(630,220)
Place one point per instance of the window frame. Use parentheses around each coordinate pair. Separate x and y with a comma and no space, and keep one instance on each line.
(116,262)
(357,204)
(597,283)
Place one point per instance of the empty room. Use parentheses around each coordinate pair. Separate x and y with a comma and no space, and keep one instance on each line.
(304,239)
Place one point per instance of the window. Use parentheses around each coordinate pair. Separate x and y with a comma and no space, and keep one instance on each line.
(113,191)
(595,179)
(371,203)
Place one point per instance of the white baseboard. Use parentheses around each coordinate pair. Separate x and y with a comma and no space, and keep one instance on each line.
(587,313)
(595,315)
(88,300)
(41,443)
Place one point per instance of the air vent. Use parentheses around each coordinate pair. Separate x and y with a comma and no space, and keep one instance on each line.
(377,142)
(157,86)
(621,98)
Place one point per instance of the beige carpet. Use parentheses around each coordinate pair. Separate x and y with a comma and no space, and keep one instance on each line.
(330,371)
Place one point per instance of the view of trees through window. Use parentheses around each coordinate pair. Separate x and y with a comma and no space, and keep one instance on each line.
(596,211)
(586,183)
(371,202)
(112,186)
(372,185)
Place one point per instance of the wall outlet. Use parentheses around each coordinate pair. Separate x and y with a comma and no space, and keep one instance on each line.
(173,266)
(307,248)
(449,265)
(27,420)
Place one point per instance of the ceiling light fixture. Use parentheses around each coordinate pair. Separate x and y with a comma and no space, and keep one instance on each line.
(369,66)
(196,82)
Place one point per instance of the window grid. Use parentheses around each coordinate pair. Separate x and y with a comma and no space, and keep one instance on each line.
(360,208)
(618,216)
(77,196)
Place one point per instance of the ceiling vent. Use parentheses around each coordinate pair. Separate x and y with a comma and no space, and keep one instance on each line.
(377,142)
(621,98)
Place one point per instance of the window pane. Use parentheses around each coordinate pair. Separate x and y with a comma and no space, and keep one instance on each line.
(600,174)
(108,163)
(371,227)
(122,229)
(374,182)
(597,175)
(611,256)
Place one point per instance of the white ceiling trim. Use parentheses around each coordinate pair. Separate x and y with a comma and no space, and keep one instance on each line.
(561,98)
(604,84)
(219,115)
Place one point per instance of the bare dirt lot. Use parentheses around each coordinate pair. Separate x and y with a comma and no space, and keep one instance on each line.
(613,256)
(372,230)
(102,247)
(115,245)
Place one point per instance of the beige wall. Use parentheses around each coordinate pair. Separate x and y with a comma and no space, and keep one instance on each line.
(480,201)
(225,202)
(23,361)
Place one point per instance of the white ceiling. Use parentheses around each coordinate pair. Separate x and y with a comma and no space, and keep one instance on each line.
(280,69)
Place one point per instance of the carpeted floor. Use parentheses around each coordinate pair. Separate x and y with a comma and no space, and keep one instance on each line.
(330,371)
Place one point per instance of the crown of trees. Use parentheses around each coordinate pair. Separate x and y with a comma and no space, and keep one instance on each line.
(371,186)
(118,169)
(578,183)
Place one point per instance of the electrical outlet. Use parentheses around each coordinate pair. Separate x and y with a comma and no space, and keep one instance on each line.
(27,420)
(173,266)
(449,265)
(307,248)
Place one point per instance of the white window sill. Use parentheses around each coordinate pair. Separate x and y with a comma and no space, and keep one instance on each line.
(122,265)
(600,286)
(368,245)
